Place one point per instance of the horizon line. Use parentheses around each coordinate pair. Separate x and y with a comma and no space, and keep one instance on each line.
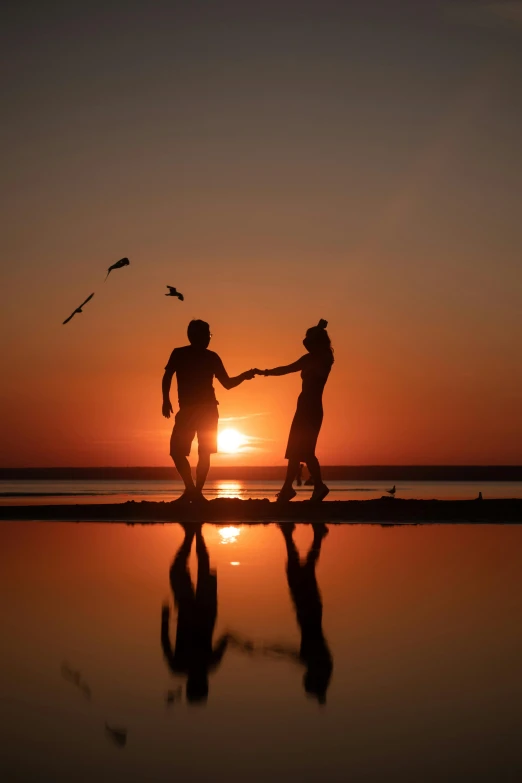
(271,467)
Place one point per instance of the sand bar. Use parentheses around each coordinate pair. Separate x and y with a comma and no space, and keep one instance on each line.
(383,510)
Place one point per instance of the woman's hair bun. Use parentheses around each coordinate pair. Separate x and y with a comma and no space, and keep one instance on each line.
(322,324)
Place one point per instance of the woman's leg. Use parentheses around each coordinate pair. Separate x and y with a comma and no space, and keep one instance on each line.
(291,472)
(320,488)
(287,492)
(315,470)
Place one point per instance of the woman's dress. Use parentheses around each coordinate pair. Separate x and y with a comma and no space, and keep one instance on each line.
(308,417)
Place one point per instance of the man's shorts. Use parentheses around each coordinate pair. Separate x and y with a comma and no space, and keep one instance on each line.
(192,420)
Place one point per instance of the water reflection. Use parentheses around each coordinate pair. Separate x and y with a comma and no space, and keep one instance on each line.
(194,655)
(422,621)
(229,534)
(314,652)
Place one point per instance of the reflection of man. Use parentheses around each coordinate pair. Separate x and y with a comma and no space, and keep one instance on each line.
(193,654)
(302,582)
(195,367)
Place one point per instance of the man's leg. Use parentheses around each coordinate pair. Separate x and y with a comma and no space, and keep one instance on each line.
(183,434)
(183,467)
(207,427)
(202,469)
(206,587)
(180,580)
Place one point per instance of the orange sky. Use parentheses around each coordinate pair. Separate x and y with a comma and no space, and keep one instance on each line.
(364,173)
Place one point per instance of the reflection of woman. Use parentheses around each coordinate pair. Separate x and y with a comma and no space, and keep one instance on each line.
(315,368)
(314,652)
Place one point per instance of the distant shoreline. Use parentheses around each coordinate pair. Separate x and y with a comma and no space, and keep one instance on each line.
(273,473)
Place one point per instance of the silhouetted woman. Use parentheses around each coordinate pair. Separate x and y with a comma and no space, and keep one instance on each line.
(315,368)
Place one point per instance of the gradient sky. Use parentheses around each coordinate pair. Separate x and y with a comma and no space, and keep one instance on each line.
(278,163)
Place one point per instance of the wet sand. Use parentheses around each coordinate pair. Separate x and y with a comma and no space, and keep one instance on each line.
(382,511)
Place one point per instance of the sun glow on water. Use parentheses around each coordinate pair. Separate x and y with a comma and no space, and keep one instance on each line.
(229,489)
(229,534)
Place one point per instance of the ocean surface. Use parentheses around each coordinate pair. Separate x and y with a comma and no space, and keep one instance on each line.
(366,654)
(117,491)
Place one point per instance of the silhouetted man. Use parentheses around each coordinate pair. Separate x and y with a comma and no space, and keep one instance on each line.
(195,367)
(193,654)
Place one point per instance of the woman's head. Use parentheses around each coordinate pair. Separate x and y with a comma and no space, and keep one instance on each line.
(317,340)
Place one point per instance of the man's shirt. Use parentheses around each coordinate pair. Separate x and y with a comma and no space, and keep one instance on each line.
(195,369)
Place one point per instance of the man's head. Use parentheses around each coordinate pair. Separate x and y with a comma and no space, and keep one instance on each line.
(198,333)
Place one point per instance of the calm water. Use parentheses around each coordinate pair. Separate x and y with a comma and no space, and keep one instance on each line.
(411,672)
(54,492)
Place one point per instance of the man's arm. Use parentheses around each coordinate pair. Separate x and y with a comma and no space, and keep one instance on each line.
(165,388)
(228,382)
(170,369)
(165,638)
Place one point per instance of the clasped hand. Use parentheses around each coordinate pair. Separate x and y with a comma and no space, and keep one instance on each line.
(249,374)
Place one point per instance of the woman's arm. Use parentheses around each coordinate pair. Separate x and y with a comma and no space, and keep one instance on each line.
(287,368)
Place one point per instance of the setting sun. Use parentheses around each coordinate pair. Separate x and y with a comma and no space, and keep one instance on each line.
(230,441)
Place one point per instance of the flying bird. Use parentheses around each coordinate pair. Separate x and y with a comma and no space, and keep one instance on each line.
(118,735)
(76,678)
(392,491)
(78,309)
(118,265)
(173,292)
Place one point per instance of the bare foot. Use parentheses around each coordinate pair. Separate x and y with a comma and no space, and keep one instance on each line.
(199,497)
(187,496)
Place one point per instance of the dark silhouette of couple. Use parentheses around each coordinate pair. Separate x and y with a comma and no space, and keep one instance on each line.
(195,655)
(195,368)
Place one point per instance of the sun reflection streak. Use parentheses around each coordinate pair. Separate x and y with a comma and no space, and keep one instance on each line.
(229,489)
(229,534)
